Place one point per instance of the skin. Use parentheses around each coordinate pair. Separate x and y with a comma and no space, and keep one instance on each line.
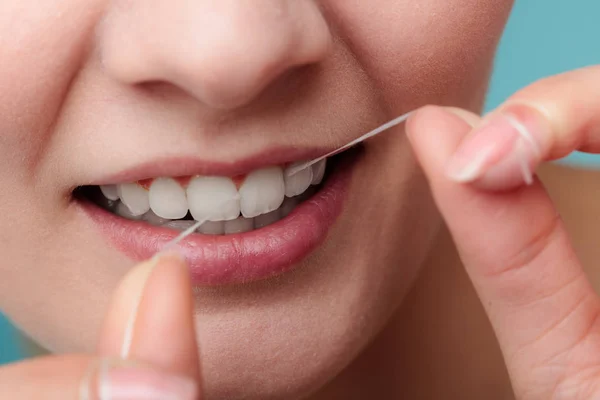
(87,82)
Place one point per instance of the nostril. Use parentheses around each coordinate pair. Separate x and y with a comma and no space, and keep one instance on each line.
(269,84)
(297,81)
(223,53)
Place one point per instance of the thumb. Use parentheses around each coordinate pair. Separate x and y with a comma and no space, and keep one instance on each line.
(151,318)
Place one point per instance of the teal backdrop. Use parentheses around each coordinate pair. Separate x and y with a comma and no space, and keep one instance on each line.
(546,37)
(543,37)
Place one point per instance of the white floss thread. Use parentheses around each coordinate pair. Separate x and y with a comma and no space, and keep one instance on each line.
(396,121)
(522,130)
(526,137)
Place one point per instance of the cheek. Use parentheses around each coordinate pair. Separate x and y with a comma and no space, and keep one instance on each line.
(43,43)
(438,49)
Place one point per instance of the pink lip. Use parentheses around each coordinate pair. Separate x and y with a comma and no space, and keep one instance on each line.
(189,166)
(250,256)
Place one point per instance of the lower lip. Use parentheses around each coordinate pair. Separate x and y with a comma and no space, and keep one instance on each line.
(237,258)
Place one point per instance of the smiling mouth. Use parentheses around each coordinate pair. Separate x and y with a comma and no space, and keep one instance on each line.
(259,224)
(231,205)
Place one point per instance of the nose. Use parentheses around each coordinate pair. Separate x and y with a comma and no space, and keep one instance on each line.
(223,52)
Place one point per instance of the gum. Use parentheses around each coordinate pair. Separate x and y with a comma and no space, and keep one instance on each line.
(184,181)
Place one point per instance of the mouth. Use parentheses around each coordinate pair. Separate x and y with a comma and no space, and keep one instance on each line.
(260,223)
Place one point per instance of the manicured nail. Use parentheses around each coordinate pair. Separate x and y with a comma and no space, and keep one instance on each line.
(128,381)
(506,140)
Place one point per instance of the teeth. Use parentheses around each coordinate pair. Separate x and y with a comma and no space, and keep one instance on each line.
(296,184)
(154,219)
(135,198)
(212,228)
(265,196)
(263,191)
(110,192)
(288,206)
(167,198)
(239,225)
(215,198)
(318,171)
(263,220)
(124,211)
(178,225)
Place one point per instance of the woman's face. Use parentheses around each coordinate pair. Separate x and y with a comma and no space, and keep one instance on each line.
(98,92)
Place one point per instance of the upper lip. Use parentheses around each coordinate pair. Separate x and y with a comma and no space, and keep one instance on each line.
(190,166)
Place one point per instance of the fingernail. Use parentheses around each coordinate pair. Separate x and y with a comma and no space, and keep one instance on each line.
(508,139)
(128,381)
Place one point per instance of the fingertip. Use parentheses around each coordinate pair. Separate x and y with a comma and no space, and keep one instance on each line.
(167,306)
(418,120)
(435,118)
(500,154)
(469,117)
(169,268)
(172,255)
(435,133)
(171,259)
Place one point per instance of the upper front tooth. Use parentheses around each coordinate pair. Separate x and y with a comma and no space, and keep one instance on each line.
(215,198)
(318,170)
(134,197)
(297,183)
(263,191)
(167,198)
(110,192)
(154,219)
(124,211)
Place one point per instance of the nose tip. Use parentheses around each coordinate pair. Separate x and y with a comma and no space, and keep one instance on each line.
(224,53)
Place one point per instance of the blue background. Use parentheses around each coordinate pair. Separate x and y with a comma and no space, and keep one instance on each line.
(546,37)
(543,37)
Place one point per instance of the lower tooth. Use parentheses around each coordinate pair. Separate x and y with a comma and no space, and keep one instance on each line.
(109,204)
(288,206)
(178,225)
(212,228)
(239,225)
(154,219)
(263,220)
(122,210)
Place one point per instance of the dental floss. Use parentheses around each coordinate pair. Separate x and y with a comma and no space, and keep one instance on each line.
(526,136)
(189,230)
(524,166)
(182,236)
(396,121)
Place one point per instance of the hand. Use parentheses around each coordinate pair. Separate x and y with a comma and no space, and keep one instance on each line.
(508,233)
(153,301)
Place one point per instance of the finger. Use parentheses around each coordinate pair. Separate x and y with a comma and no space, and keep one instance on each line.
(151,318)
(545,121)
(86,378)
(518,256)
